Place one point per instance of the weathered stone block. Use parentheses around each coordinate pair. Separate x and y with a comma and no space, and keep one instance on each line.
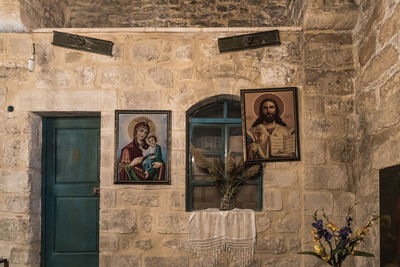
(313,104)
(340,126)
(86,76)
(20,47)
(133,197)
(390,27)
(108,242)
(315,19)
(54,79)
(294,200)
(107,198)
(179,140)
(10,126)
(178,161)
(13,72)
(14,153)
(321,57)
(166,261)
(317,201)
(328,82)
(61,100)
(288,225)
(283,178)
(329,40)
(143,244)
(272,200)
(145,222)
(24,256)
(113,77)
(390,88)
(387,115)
(15,203)
(263,222)
(14,182)
(364,101)
(120,260)
(177,200)
(44,52)
(326,177)
(184,53)
(271,245)
(314,151)
(342,203)
(145,51)
(16,230)
(73,57)
(174,223)
(139,99)
(161,76)
(294,245)
(277,75)
(338,105)
(121,221)
(209,49)
(381,63)
(385,151)
(341,150)
(367,49)
(287,52)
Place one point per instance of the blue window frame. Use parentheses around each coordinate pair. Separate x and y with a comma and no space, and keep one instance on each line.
(214,127)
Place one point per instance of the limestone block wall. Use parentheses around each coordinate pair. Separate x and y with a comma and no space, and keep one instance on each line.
(377,94)
(348,95)
(140,225)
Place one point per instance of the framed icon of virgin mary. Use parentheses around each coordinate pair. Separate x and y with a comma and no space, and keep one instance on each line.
(142,146)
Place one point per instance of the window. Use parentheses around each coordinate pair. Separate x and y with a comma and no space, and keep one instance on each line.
(214,127)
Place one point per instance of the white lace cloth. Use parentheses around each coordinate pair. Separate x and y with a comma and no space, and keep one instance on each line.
(212,231)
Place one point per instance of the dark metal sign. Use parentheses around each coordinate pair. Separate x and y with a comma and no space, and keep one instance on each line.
(248,41)
(82,43)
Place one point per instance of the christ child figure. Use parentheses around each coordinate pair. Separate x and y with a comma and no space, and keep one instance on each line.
(151,155)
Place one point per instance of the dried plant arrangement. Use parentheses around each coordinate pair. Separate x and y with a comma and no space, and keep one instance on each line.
(228,176)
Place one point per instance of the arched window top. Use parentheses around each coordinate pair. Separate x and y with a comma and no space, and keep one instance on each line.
(214,107)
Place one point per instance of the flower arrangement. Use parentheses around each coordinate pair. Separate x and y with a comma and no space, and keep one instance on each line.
(332,244)
(227,177)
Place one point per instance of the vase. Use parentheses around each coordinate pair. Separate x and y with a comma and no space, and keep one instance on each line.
(227,203)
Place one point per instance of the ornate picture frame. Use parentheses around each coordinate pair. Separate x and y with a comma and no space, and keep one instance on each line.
(273,136)
(142,147)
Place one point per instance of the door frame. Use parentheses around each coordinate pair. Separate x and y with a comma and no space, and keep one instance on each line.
(43,142)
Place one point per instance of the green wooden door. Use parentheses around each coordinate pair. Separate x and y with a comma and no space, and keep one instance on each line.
(71,205)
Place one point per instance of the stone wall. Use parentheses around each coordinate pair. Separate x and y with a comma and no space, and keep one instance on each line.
(140,225)
(160,13)
(349,124)
(377,94)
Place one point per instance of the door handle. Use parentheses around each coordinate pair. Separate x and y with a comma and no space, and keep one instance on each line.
(96,191)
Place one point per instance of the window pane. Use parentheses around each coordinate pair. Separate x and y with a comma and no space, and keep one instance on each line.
(215,110)
(207,138)
(247,197)
(205,197)
(198,173)
(235,139)
(234,109)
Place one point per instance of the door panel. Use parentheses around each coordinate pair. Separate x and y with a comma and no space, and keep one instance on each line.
(71,209)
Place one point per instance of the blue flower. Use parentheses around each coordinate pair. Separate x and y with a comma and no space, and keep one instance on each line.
(318,225)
